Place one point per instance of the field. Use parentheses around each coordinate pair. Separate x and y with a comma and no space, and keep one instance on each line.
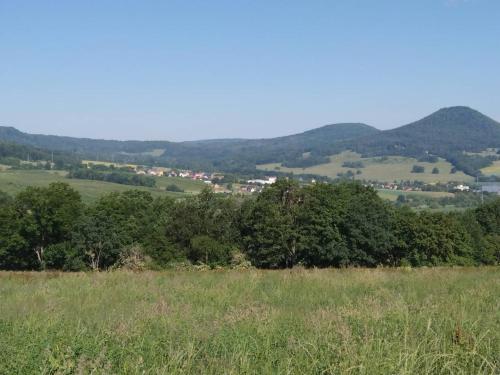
(493,169)
(392,195)
(351,321)
(389,170)
(13,181)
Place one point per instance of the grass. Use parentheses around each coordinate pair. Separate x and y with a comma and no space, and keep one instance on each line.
(392,195)
(351,321)
(394,168)
(13,181)
(493,169)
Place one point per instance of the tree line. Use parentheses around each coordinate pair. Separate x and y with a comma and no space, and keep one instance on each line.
(321,225)
(117,175)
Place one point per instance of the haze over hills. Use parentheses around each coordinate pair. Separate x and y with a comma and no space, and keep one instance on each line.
(447,133)
(224,154)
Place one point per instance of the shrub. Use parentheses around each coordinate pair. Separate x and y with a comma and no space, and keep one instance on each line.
(174,188)
(418,169)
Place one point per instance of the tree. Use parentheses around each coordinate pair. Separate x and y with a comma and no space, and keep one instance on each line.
(47,216)
(366,224)
(205,215)
(174,188)
(269,226)
(418,169)
(99,239)
(207,250)
(437,238)
(320,241)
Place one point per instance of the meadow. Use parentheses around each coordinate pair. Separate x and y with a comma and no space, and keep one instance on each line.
(332,321)
(493,169)
(392,195)
(14,181)
(388,170)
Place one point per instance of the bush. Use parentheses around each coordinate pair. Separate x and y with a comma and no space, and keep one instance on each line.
(353,164)
(174,188)
(418,169)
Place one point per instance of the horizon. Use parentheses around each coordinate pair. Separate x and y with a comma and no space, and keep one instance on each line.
(181,72)
(255,138)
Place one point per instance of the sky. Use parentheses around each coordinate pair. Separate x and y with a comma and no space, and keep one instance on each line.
(188,69)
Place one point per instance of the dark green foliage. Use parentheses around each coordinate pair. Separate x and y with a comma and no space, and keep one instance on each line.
(353,164)
(321,225)
(436,239)
(174,188)
(46,216)
(207,250)
(206,215)
(418,169)
(269,226)
(117,176)
(428,158)
(12,154)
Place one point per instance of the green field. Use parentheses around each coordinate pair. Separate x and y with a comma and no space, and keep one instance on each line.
(392,195)
(13,181)
(394,168)
(351,321)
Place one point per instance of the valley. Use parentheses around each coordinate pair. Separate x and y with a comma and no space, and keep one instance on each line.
(385,169)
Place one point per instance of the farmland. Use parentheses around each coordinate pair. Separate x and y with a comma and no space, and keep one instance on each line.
(382,169)
(13,181)
(493,169)
(360,321)
(392,195)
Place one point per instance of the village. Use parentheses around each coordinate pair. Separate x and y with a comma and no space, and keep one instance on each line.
(215,180)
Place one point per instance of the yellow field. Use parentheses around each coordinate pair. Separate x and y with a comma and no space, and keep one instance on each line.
(394,168)
(493,169)
(108,163)
(392,195)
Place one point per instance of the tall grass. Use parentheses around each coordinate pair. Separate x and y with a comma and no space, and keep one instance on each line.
(425,321)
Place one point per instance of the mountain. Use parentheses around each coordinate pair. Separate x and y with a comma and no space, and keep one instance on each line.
(447,133)
(223,154)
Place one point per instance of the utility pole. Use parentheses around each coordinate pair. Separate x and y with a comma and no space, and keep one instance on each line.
(481,187)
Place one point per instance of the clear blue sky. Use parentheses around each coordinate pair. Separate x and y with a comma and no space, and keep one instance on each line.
(181,70)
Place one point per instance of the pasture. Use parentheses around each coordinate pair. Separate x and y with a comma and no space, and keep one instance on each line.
(380,169)
(13,181)
(493,169)
(349,321)
(392,195)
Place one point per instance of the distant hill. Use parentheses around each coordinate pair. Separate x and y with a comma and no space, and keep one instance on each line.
(223,154)
(447,133)
(449,129)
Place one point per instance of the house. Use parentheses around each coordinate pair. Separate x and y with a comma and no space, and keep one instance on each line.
(462,187)
(267,181)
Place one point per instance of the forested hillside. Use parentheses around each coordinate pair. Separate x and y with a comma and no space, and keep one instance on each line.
(446,133)
(12,153)
(449,133)
(225,154)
